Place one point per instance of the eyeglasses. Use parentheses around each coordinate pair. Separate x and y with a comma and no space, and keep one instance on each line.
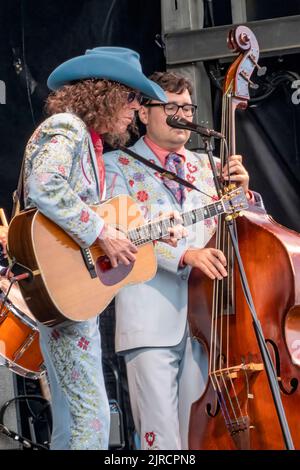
(172,108)
(134,95)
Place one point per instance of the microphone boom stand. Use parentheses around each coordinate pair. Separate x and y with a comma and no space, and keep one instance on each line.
(268,364)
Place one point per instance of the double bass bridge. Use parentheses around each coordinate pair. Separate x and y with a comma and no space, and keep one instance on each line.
(230,373)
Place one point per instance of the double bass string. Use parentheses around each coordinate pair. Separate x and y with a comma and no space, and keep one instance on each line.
(229,282)
(223,302)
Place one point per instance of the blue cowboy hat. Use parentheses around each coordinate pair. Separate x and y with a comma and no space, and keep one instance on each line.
(118,64)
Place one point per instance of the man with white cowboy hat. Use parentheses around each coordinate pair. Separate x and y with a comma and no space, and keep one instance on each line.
(95,98)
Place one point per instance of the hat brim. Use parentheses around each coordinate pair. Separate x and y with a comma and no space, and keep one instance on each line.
(106,67)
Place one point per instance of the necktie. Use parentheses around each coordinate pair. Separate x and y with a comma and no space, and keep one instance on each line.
(175,164)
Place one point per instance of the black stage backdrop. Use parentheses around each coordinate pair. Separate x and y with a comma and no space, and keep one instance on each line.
(268,137)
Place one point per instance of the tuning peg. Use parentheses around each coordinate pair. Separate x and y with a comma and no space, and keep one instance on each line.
(253,85)
(260,70)
(246,77)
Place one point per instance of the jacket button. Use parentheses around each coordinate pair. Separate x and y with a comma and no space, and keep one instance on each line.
(183,277)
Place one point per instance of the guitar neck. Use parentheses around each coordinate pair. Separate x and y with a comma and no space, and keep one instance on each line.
(156,230)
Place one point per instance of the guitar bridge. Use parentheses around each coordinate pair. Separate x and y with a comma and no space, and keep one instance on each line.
(88,261)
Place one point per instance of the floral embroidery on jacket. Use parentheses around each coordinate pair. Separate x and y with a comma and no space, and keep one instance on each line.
(142,196)
(59,178)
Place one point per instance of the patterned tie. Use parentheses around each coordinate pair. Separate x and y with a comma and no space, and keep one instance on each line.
(175,164)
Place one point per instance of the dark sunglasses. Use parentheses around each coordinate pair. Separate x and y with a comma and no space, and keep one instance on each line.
(134,95)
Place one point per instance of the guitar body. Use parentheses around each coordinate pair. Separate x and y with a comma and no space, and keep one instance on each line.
(61,286)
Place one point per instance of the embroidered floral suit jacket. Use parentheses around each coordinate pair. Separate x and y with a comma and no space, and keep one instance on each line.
(60,177)
(154,313)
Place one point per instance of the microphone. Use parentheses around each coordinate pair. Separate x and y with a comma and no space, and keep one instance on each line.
(181,123)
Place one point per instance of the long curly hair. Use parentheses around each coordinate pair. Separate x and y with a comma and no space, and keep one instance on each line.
(97,102)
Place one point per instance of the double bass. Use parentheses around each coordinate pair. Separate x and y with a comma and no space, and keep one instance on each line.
(237,409)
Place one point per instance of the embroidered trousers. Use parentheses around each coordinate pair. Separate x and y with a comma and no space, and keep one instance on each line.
(79,403)
(163,383)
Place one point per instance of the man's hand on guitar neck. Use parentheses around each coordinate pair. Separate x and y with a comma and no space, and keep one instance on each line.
(177,231)
(118,248)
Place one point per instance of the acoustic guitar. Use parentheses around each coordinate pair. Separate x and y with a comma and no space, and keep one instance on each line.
(69,282)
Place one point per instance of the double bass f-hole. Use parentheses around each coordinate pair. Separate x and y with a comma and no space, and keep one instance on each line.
(293,382)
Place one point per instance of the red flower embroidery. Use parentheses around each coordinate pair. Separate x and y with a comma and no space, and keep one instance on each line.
(150,438)
(83,343)
(84,216)
(53,140)
(131,182)
(62,170)
(123,160)
(142,196)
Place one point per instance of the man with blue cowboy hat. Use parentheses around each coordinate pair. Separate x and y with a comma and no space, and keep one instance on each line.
(95,98)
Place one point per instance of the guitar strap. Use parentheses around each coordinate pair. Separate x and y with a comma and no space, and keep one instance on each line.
(165,173)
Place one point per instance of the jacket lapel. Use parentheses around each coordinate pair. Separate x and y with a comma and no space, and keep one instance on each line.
(142,149)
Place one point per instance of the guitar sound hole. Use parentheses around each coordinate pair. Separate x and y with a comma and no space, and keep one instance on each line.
(108,275)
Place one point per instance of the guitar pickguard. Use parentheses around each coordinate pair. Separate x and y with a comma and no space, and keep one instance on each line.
(108,275)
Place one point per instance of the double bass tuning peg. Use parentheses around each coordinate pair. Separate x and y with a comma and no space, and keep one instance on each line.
(260,70)
(245,76)
(253,85)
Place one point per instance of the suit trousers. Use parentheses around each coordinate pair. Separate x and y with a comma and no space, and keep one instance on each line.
(163,383)
(79,403)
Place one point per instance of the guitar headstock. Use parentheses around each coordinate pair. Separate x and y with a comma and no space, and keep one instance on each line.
(235,201)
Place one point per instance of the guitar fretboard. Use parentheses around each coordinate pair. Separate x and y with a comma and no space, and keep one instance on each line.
(156,230)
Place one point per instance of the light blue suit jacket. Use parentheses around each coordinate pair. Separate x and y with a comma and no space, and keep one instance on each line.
(155,313)
(61,177)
